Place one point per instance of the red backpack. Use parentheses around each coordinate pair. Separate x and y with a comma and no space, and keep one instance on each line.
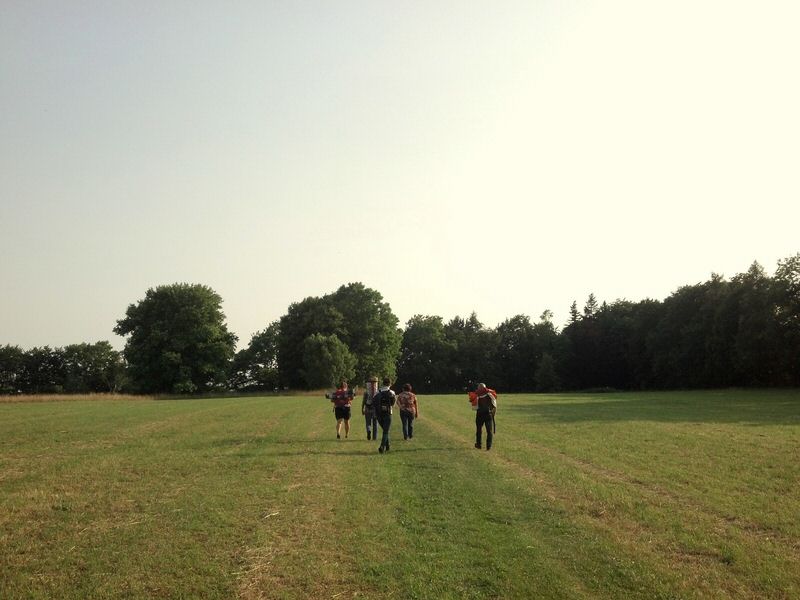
(473,397)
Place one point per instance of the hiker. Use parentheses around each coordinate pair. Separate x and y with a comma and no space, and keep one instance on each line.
(407,401)
(484,402)
(342,399)
(368,408)
(384,401)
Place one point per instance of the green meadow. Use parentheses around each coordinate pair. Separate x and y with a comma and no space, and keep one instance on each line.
(634,495)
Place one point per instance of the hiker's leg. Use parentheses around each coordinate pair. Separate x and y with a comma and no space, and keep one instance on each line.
(386,423)
(478,427)
(404,423)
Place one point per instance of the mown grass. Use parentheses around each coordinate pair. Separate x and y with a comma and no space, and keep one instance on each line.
(663,495)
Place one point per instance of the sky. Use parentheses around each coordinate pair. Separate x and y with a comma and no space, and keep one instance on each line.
(498,157)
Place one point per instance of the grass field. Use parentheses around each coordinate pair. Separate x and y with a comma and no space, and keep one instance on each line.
(662,495)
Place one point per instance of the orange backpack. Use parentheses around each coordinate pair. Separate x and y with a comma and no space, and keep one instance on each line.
(473,397)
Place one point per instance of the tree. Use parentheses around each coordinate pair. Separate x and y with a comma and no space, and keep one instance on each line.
(474,353)
(369,330)
(425,355)
(516,354)
(590,308)
(546,376)
(580,349)
(255,368)
(757,344)
(574,315)
(786,298)
(612,357)
(326,361)
(12,360)
(644,319)
(43,371)
(357,316)
(304,318)
(178,340)
(92,368)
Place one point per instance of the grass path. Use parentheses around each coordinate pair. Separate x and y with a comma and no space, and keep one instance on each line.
(690,495)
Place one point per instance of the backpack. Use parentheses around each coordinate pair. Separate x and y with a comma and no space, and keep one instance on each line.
(385,400)
(473,397)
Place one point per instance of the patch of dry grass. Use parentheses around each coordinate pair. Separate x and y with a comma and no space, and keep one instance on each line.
(69,398)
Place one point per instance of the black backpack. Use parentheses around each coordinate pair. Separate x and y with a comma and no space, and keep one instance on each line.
(385,400)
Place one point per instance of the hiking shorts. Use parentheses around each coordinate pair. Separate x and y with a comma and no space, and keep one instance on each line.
(342,412)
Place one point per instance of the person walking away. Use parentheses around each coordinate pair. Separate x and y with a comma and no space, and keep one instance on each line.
(384,401)
(407,401)
(342,400)
(368,408)
(486,405)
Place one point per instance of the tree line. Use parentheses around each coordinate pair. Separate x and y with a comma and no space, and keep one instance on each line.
(744,332)
(74,369)
(719,333)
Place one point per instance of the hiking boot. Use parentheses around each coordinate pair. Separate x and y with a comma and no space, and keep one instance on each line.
(338,437)
(387,447)
(380,449)
(369,437)
(478,446)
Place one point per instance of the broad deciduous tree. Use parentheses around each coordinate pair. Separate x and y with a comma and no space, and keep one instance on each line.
(178,340)
(326,361)
(255,368)
(426,355)
(357,316)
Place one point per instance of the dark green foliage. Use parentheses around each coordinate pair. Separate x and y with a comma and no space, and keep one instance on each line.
(77,368)
(718,333)
(743,332)
(178,342)
(12,359)
(43,371)
(93,368)
(369,330)
(546,376)
(357,316)
(786,299)
(426,355)
(326,361)
(474,349)
(304,318)
(255,368)
(515,356)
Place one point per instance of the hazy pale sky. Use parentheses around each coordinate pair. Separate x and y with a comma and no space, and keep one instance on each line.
(498,157)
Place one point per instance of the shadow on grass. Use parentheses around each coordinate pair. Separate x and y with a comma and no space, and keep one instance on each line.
(362,451)
(771,407)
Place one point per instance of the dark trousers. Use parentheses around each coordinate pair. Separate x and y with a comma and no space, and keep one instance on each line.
(407,418)
(385,419)
(481,419)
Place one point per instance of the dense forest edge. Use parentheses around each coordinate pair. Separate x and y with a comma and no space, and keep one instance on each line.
(737,332)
